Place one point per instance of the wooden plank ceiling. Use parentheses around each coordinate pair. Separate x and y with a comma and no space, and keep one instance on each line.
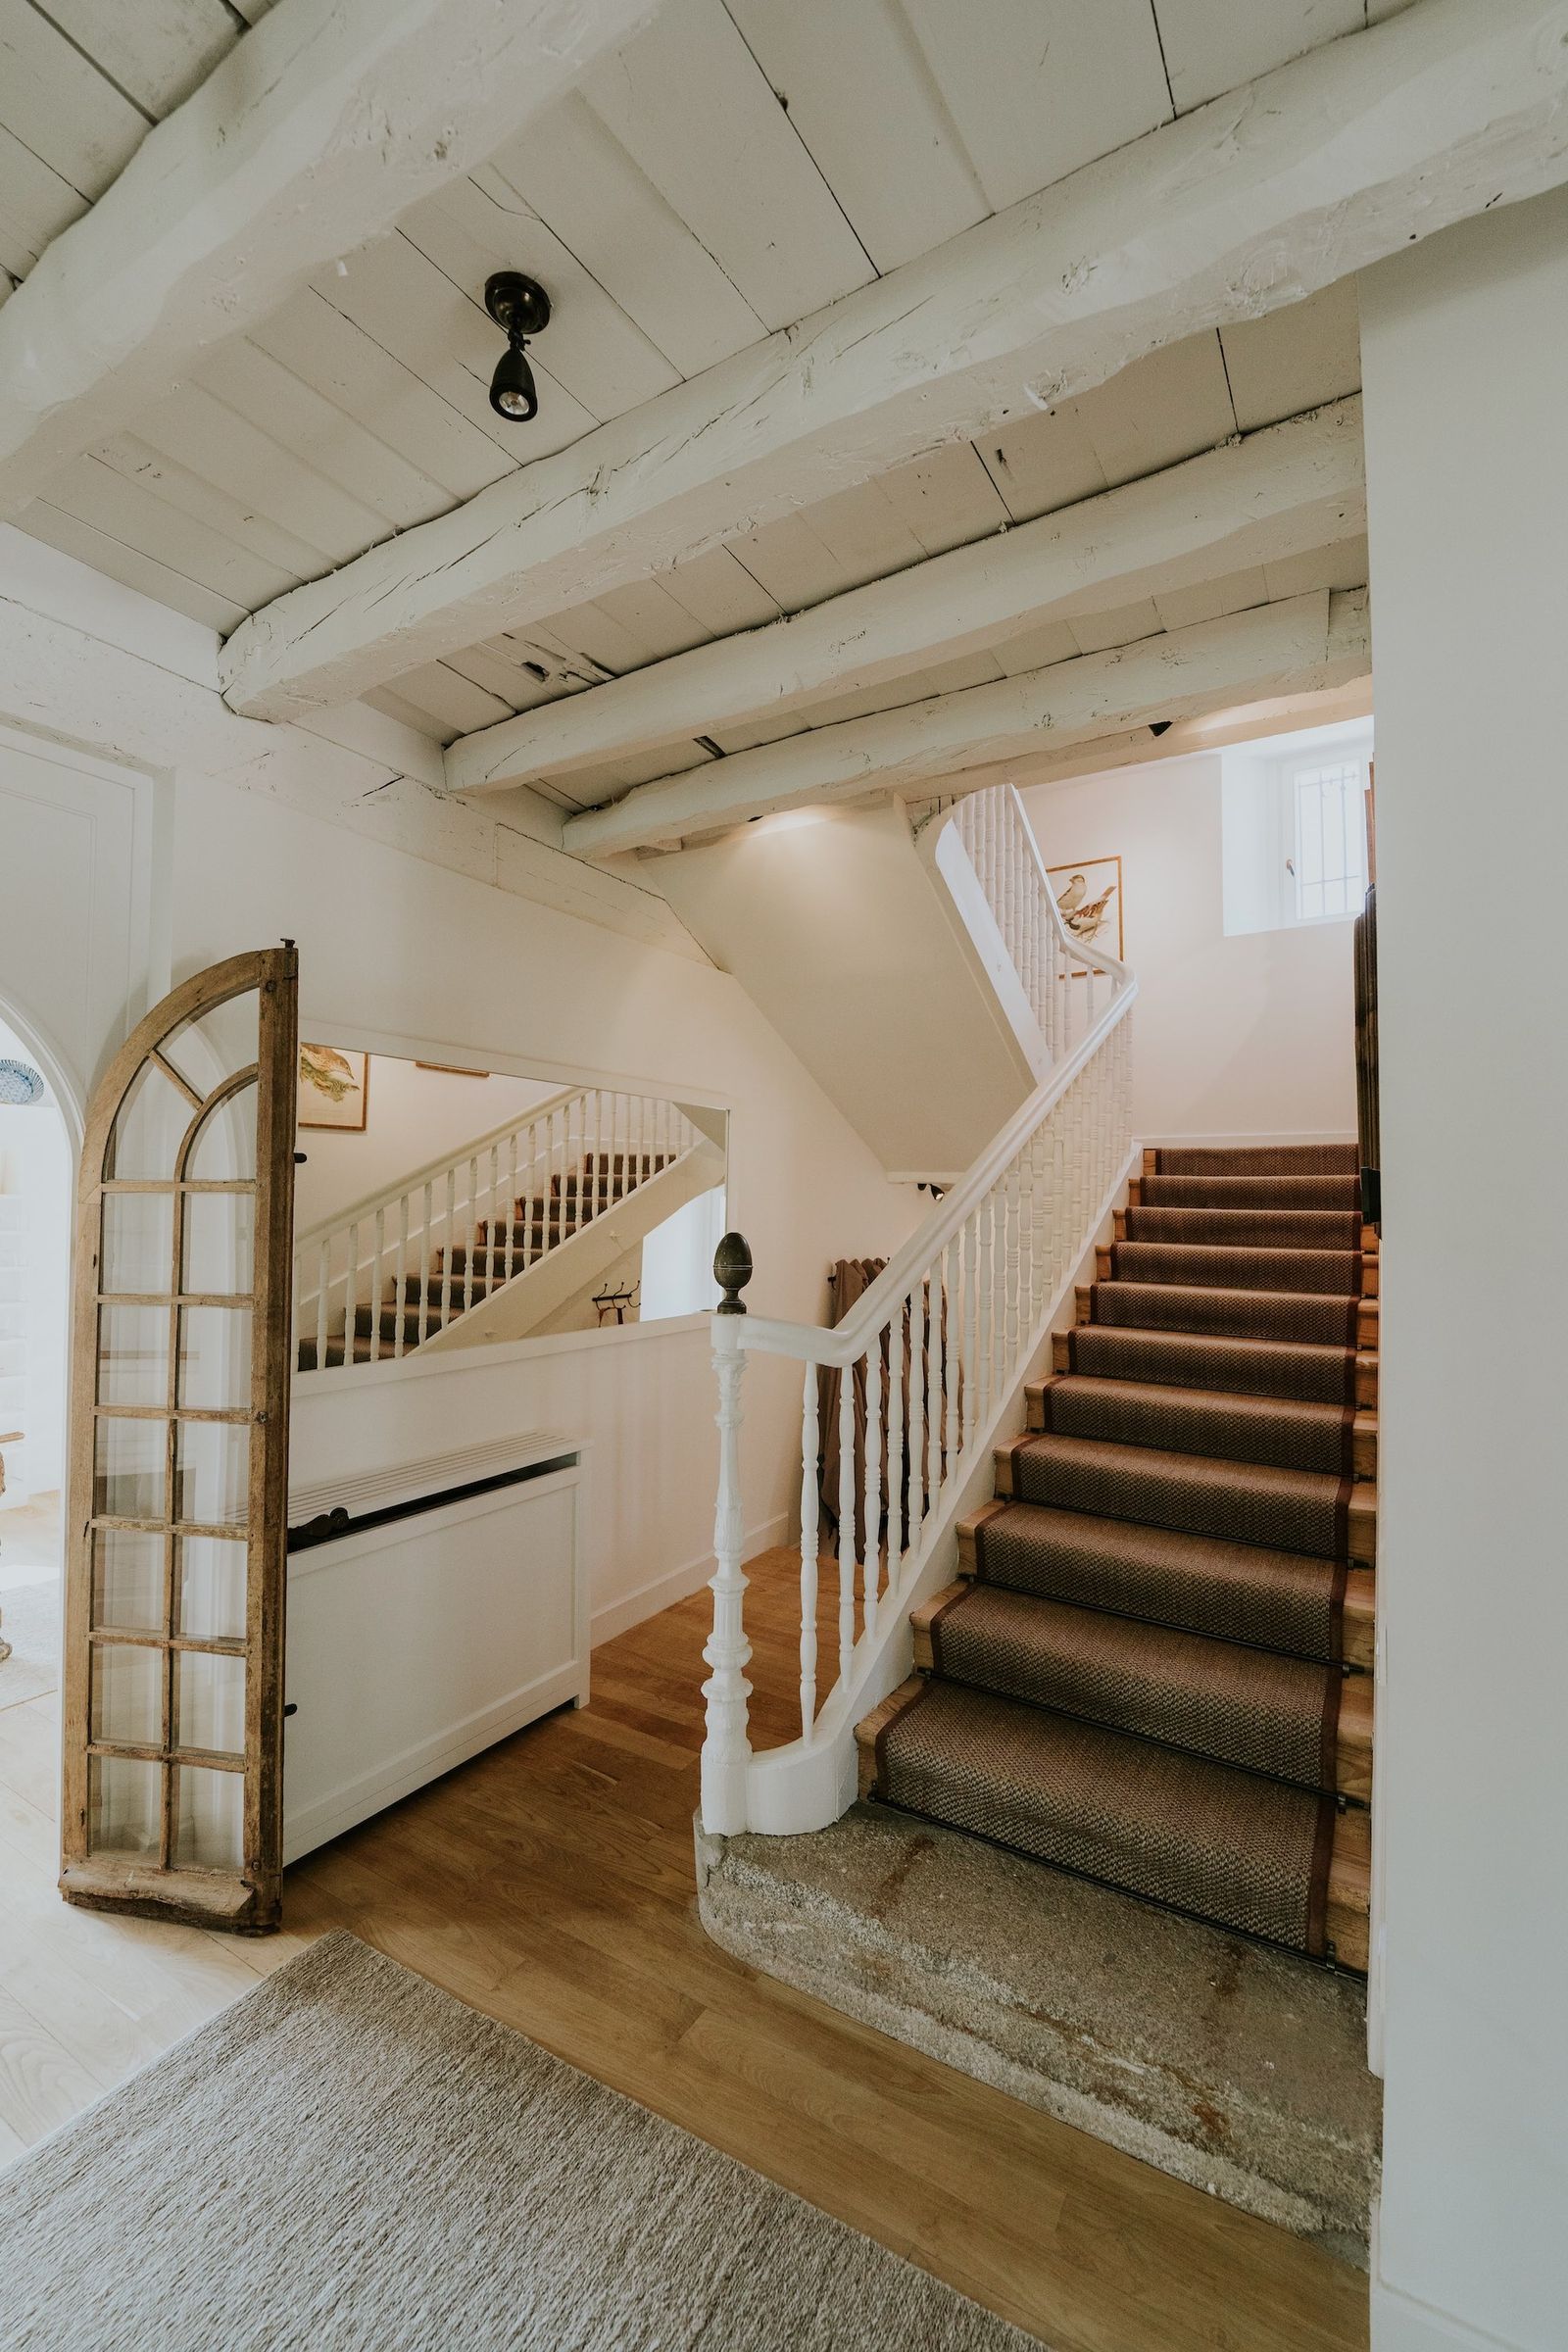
(732,170)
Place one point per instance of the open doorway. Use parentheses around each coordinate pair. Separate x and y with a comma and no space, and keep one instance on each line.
(35,1200)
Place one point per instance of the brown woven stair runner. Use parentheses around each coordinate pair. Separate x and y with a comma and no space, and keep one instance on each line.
(1312,1319)
(1241,1706)
(1227,1845)
(1284,1600)
(1282,1431)
(1142,1683)
(1192,1361)
(1261,1159)
(1248,1228)
(1251,1192)
(1198,1266)
(1249,1502)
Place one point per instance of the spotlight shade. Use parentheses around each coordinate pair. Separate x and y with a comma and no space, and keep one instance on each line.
(512,387)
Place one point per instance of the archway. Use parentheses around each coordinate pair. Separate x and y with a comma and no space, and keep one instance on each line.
(40,1125)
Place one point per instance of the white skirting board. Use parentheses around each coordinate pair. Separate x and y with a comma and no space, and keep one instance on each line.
(412,1645)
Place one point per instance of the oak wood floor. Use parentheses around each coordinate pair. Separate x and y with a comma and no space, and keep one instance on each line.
(550,1884)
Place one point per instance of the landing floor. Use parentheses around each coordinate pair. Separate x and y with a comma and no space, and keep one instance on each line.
(550,1883)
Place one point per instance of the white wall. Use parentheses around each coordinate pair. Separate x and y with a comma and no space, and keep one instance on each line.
(412,1116)
(435,964)
(36,1184)
(1246,1036)
(413,940)
(1464,345)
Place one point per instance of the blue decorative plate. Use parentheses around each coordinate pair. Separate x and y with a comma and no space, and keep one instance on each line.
(20,1082)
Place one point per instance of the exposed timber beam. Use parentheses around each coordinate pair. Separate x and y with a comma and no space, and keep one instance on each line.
(1293,647)
(1278,493)
(1313,172)
(323,124)
(1204,731)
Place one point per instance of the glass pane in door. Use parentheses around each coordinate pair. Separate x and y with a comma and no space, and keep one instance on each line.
(175,1582)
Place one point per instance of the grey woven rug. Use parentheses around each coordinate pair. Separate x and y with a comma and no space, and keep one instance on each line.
(351,2160)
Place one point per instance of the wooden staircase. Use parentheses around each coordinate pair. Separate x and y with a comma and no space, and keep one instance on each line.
(1155,1668)
(462,1276)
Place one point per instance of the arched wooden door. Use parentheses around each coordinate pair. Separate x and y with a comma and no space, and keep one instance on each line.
(178,1459)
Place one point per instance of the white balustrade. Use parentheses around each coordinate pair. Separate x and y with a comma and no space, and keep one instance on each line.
(1064,979)
(405,1261)
(941,1340)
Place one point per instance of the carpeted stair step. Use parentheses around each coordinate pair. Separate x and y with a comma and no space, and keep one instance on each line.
(333,1359)
(1247,1228)
(536,1232)
(1340,1193)
(1249,1502)
(1342,1273)
(1290,1601)
(1243,1367)
(1292,1435)
(1301,1318)
(489,1265)
(1248,1853)
(441,1289)
(639,1165)
(1253,1160)
(1253,1707)
(388,1321)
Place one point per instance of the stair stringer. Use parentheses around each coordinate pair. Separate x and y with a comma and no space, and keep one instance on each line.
(804,1786)
(516,1309)
(962,895)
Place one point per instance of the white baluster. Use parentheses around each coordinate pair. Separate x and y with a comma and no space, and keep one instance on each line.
(896,1414)
(726,1748)
(808,1537)
(932,1287)
(510,1209)
(952,1330)
(323,1275)
(376,1288)
(425,1222)
(473,1228)
(351,1287)
(870,1582)
(915,1516)
(1032,1300)
(845,1522)
(402,1275)
(972,1415)
(449,1245)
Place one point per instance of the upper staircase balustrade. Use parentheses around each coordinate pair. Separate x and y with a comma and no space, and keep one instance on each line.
(1065,990)
(928,1363)
(381,1278)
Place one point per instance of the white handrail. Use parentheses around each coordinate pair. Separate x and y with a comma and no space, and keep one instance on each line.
(418,1252)
(390,1195)
(927,1361)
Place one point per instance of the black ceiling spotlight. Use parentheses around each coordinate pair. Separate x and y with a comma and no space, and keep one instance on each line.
(520,308)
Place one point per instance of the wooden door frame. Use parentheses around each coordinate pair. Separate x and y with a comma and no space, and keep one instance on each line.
(249,1901)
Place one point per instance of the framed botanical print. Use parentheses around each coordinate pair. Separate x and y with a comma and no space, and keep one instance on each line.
(1089,894)
(334,1088)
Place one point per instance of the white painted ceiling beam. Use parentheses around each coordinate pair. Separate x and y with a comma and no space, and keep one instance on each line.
(310,137)
(88,662)
(1326,165)
(1279,493)
(1295,647)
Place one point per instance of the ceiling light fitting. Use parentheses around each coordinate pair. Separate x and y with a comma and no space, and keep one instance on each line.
(520,308)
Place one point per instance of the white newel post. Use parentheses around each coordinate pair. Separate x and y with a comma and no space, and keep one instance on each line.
(727,1748)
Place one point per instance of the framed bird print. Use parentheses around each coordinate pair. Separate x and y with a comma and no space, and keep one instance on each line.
(333,1088)
(1088,894)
